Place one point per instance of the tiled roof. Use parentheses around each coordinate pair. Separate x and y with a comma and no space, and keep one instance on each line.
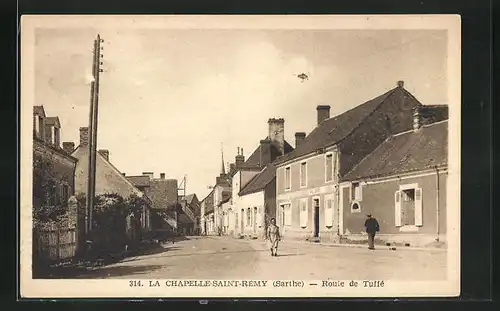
(190,197)
(52,121)
(139,181)
(163,193)
(335,129)
(254,160)
(406,152)
(38,110)
(259,181)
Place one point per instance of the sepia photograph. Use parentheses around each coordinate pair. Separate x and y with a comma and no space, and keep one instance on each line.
(240,156)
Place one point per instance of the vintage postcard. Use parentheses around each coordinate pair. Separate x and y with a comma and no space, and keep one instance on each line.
(240,156)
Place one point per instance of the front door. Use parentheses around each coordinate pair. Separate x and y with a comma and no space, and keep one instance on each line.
(316,218)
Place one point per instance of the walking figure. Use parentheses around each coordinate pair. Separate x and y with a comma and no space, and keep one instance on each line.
(273,235)
(371,227)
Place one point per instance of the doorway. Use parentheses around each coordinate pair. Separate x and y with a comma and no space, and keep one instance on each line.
(316,217)
(255,220)
(242,221)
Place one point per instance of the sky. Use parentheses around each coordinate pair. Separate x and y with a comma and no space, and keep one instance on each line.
(170,97)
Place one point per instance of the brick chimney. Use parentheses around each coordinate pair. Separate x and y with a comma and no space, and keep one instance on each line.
(323,112)
(401,83)
(149,174)
(299,137)
(265,152)
(84,136)
(240,158)
(69,147)
(124,174)
(104,153)
(162,175)
(277,133)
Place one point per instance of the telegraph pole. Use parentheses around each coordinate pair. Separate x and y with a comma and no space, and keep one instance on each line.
(93,117)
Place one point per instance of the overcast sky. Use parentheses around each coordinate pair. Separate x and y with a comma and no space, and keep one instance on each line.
(169,97)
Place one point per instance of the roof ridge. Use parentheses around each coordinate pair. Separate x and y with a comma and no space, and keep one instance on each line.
(387,95)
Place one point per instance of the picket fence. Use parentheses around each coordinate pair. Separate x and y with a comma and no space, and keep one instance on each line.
(54,244)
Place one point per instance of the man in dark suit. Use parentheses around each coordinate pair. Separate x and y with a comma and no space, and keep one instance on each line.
(371,227)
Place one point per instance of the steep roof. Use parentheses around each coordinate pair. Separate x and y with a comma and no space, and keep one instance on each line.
(53,121)
(139,181)
(39,110)
(254,160)
(335,129)
(406,152)
(190,197)
(259,181)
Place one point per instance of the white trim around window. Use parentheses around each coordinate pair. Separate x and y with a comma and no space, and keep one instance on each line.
(288,183)
(300,174)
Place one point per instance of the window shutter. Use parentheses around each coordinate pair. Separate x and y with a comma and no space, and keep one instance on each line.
(329,212)
(397,208)
(303,213)
(418,207)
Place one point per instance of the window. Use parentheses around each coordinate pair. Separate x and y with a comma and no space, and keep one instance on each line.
(408,207)
(355,207)
(303,174)
(356,191)
(329,211)
(65,194)
(303,213)
(249,217)
(329,167)
(288,178)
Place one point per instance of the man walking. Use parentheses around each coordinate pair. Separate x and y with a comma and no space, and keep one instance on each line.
(371,227)
(273,235)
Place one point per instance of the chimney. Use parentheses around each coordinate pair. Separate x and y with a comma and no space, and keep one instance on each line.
(84,136)
(299,137)
(69,147)
(162,175)
(104,153)
(124,174)
(265,152)
(240,158)
(401,83)
(150,174)
(277,133)
(323,113)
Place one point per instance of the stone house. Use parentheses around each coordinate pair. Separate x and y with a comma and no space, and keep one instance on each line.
(403,184)
(254,185)
(207,214)
(53,166)
(108,179)
(308,178)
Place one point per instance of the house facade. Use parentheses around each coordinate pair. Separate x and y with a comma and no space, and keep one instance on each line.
(403,184)
(53,166)
(164,203)
(308,179)
(108,178)
(207,214)
(253,197)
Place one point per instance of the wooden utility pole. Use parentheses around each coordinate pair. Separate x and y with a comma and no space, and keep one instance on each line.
(92,135)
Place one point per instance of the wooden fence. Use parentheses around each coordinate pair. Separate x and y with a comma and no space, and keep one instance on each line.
(54,244)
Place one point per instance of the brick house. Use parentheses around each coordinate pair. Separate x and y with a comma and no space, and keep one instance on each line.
(308,178)
(254,184)
(403,184)
(108,178)
(53,167)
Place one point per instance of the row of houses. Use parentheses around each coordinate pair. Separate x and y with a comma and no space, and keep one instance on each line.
(386,157)
(164,210)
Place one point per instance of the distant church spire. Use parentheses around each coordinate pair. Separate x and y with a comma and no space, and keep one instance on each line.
(223,170)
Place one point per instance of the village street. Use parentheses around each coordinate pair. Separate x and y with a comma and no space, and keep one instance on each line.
(210,257)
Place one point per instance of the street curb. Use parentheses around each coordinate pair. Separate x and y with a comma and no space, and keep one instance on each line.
(404,248)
